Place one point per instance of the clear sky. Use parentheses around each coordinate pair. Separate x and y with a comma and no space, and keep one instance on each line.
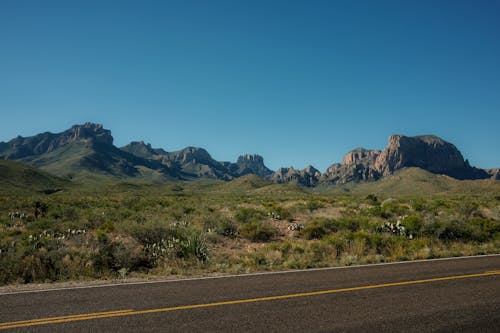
(299,82)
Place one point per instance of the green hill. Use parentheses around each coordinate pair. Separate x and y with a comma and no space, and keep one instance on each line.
(247,182)
(18,177)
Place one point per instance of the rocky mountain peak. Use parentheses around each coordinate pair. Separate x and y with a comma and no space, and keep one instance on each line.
(250,158)
(360,155)
(191,155)
(308,176)
(144,150)
(427,152)
(311,170)
(87,131)
(252,163)
(47,142)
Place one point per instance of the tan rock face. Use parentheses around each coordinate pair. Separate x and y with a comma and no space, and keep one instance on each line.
(357,165)
(427,152)
(494,173)
(361,156)
(88,131)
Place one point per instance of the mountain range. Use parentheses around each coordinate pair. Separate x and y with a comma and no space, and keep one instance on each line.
(89,149)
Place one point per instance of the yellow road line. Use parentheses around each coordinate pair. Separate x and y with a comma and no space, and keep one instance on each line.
(61,319)
(120,313)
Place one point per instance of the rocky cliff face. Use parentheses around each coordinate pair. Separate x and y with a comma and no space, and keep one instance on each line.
(494,173)
(357,165)
(305,177)
(43,143)
(196,162)
(141,149)
(427,152)
(361,156)
(87,131)
(345,173)
(251,164)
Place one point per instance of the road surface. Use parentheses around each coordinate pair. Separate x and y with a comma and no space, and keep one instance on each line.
(455,295)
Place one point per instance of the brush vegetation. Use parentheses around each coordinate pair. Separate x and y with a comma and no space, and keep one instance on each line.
(111,228)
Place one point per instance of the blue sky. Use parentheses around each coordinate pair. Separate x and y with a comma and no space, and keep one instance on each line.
(299,82)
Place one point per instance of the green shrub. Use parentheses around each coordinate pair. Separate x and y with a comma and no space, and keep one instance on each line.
(393,209)
(484,229)
(475,229)
(10,266)
(227,228)
(316,229)
(350,224)
(320,227)
(338,241)
(279,213)
(40,208)
(193,245)
(153,232)
(221,225)
(456,230)
(258,231)
(314,205)
(419,205)
(413,224)
(163,241)
(372,198)
(431,228)
(246,215)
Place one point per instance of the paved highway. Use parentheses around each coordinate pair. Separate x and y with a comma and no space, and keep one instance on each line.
(456,295)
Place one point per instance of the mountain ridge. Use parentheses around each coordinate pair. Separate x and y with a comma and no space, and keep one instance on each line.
(89,148)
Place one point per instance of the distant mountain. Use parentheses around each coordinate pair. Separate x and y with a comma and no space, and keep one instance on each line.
(196,162)
(357,165)
(193,162)
(89,148)
(252,164)
(427,152)
(306,177)
(46,143)
(141,149)
(82,148)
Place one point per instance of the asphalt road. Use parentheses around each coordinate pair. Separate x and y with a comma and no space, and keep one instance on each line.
(457,295)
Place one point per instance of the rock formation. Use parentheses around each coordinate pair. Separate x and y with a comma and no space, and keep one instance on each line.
(494,173)
(305,177)
(44,143)
(89,148)
(361,156)
(141,149)
(251,164)
(427,152)
(357,165)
